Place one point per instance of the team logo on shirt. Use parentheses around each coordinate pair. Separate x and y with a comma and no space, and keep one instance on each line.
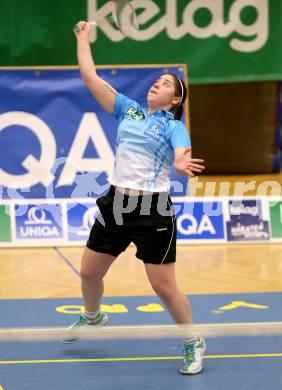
(154,132)
(135,113)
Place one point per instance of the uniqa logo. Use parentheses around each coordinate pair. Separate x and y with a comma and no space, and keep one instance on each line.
(88,221)
(220,25)
(153,131)
(37,225)
(37,216)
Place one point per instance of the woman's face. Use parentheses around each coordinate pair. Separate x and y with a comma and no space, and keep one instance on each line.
(162,93)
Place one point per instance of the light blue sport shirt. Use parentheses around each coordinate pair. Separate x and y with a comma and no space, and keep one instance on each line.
(145,146)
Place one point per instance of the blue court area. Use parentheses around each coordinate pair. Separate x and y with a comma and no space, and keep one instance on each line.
(230,363)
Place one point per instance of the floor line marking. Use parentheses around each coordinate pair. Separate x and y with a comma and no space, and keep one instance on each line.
(66,260)
(127,359)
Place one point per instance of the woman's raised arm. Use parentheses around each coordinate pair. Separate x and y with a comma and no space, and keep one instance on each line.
(100,89)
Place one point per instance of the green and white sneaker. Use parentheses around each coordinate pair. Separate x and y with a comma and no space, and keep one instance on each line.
(193,357)
(72,333)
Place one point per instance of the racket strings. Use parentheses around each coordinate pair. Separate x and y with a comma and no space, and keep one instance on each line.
(116,16)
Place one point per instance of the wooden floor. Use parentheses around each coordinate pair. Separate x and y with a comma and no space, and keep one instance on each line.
(209,269)
(201,269)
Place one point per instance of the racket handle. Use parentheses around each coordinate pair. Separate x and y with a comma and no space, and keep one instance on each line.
(78,29)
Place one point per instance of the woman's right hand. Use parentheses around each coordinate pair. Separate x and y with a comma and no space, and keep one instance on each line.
(84,29)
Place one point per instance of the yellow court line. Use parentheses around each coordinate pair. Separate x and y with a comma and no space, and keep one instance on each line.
(128,359)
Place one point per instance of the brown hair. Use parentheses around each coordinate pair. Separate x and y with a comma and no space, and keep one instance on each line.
(181,91)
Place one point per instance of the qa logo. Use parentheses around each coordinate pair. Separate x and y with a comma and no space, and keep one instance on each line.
(200,220)
(40,170)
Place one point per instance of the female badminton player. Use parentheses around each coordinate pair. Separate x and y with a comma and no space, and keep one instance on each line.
(137,207)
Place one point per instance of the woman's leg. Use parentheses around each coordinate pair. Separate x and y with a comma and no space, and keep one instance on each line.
(94,266)
(162,279)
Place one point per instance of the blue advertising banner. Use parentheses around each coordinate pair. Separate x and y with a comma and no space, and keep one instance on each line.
(55,140)
(81,217)
(55,222)
(199,220)
(246,222)
(38,222)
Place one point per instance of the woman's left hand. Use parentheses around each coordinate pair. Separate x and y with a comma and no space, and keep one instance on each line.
(185,165)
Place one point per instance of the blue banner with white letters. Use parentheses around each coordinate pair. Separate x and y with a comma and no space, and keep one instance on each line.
(199,220)
(55,140)
(39,222)
(247,221)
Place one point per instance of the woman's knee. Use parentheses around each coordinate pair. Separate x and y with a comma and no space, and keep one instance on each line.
(164,290)
(95,265)
(87,273)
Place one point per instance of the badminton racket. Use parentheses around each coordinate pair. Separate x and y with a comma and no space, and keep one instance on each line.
(120,20)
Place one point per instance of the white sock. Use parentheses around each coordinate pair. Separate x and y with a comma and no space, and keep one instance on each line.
(91,315)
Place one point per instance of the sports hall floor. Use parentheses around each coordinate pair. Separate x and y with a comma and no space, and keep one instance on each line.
(226,284)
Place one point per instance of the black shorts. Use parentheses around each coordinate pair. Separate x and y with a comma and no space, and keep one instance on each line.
(147,220)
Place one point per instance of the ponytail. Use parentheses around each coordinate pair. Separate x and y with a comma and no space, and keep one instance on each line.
(178,112)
